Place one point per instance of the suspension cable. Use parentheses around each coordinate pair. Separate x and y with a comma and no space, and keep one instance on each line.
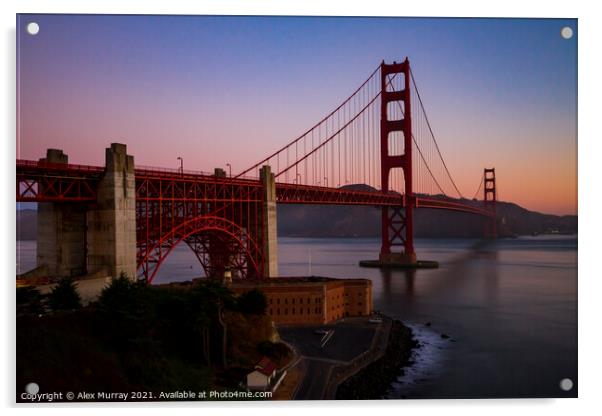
(479,188)
(312,128)
(418,147)
(432,134)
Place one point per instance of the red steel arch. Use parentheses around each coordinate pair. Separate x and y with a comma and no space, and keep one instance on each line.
(150,260)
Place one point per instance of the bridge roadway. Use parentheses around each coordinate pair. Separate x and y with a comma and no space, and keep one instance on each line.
(56,182)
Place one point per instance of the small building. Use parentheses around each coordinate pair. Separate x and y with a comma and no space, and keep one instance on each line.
(261,378)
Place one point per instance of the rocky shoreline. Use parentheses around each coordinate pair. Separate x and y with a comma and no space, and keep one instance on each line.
(373,381)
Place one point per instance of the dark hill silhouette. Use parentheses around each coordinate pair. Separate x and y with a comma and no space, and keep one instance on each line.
(361,221)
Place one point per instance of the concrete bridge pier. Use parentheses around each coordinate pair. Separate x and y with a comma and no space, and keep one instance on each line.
(112,221)
(270,224)
(77,239)
(61,235)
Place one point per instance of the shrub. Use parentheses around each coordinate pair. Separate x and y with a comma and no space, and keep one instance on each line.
(215,293)
(29,301)
(120,293)
(253,302)
(64,296)
(273,350)
(126,308)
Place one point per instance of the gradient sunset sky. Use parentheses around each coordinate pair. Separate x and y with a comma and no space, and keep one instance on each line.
(217,90)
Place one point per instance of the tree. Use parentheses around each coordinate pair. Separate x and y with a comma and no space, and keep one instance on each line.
(253,302)
(29,301)
(215,297)
(64,295)
(127,309)
(121,294)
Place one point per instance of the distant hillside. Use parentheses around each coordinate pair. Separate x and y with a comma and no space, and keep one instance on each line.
(361,221)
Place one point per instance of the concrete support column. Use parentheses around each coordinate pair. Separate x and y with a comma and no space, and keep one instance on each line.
(112,223)
(61,235)
(270,226)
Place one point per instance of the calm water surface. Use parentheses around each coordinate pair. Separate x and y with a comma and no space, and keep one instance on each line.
(510,308)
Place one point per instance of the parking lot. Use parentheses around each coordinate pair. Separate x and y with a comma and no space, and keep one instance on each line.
(350,338)
(321,351)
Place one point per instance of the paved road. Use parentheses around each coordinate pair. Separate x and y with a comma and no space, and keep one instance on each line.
(314,381)
(351,338)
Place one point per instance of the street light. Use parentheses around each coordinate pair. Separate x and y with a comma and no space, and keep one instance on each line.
(181,165)
(325,181)
(229,169)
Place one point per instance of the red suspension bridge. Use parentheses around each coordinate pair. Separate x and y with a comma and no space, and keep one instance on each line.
(376,148)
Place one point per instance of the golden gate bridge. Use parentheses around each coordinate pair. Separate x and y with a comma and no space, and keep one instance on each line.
(377,148)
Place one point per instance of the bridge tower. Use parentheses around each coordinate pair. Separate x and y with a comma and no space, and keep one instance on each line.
(398,222)
(490,199)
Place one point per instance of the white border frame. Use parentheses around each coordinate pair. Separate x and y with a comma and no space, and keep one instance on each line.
(589,152)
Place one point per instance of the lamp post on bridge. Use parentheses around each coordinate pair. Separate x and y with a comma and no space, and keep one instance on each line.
(229,169)
(325,181)
(181,165)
